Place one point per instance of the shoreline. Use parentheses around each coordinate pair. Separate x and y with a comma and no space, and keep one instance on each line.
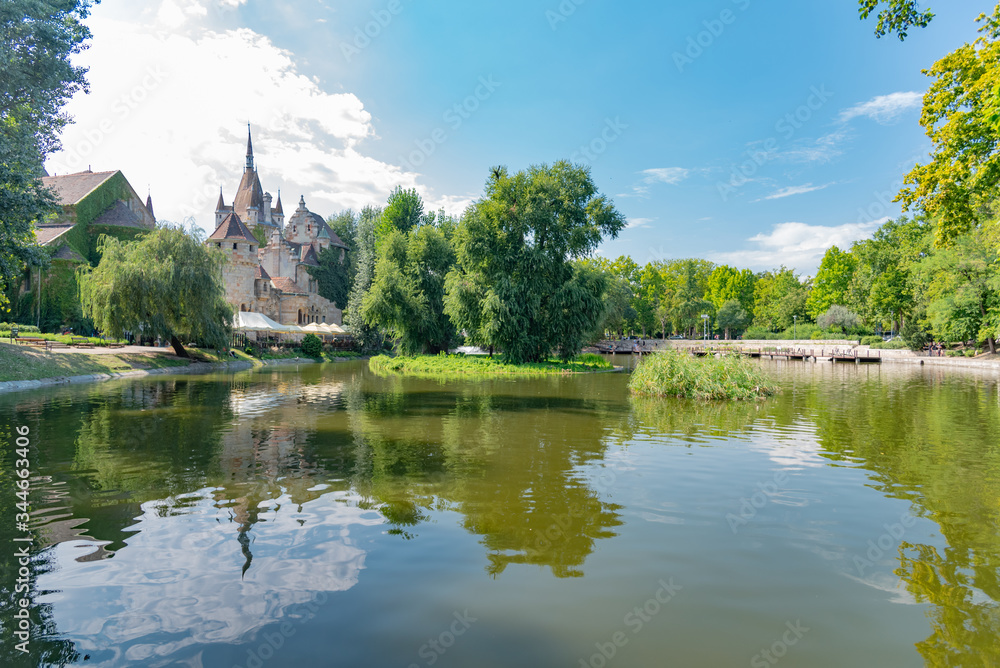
(193,368)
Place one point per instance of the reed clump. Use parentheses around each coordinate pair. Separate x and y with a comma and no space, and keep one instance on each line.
(675,373)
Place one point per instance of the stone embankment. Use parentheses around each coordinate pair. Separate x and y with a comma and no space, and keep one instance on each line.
(822,349)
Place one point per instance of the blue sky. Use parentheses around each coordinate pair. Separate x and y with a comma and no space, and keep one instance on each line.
(747,132)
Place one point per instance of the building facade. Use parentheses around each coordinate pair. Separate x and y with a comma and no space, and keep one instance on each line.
(269,258)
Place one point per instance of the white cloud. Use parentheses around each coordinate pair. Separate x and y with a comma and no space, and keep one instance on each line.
(169,108)
(671,175)
(650,177)
(823,149)
(796,245)
(638,222)
(794,190)
(884,109)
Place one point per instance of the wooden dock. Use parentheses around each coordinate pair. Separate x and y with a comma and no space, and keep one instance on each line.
(804,354)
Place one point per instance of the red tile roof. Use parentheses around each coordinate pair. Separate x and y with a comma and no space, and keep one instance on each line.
(287,285)
(232,228)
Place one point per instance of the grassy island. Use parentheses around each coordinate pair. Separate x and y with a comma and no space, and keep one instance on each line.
(674,373)
(481,365)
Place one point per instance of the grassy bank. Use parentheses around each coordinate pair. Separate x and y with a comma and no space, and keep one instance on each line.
(480,365)
(675,373)
(23,363)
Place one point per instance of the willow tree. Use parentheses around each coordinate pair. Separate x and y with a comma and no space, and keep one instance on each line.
(516,287)
(166,285)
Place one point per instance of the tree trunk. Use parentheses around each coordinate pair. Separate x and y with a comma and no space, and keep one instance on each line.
(178,347)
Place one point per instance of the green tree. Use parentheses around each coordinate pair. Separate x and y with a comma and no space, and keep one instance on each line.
(959,183)
(778,297)
(368,337)
(333,275)
(895,16)
(961,281)
(165,285)
(515,283)
(726,283)
(838,316)
(403,211)
(406,297)
(37,40)
(881,290)
(345,226)
(832,282)
(732,317)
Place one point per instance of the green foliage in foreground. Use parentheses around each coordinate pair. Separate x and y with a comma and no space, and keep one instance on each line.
(674,373)
(474,365)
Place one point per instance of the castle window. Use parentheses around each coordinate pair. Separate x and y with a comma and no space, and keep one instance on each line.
(251,248)
(234,246)
(218,244)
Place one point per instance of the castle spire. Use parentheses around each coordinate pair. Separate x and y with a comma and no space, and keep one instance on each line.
(249,166)
(149,203)
(222,203)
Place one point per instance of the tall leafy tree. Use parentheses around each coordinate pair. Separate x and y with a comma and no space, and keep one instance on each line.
(732,317)
(345,225)
(962,282)
(880,291)
(165,285)
(832,282)
(515,286)
(403,211)
(37,77)
(959,183)
(406,297)
(778,297)
(367,337)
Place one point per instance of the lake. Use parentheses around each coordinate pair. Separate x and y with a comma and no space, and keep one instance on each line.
(325,516)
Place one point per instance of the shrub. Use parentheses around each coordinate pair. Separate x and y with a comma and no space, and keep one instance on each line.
(871,340)
(916,337)
(895,344)
(679,374)
(593,359)
(312,346)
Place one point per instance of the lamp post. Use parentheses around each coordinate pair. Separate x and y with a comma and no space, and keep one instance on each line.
(795,322)
(704,319)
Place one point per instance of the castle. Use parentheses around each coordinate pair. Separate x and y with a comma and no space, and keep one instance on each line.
(269,258)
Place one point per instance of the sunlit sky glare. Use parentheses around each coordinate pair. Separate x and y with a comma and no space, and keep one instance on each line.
(746,132)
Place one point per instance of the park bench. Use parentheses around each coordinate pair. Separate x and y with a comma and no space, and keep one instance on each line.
(32,341)
(81,342)
(56,344)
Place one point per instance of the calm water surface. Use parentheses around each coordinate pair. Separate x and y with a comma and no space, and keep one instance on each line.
(324,516)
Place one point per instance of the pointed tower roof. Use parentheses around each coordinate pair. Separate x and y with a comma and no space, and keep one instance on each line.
(250,194)
(149,204)
(233,229)
(221,206)
(249,166)
(277,207)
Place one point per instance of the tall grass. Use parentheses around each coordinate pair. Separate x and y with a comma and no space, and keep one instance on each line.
(477,365)
(676,373)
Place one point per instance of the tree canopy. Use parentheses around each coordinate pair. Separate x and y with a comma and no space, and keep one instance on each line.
(406,297)
(37,39)
(515,286)
(165,285)
(895,16)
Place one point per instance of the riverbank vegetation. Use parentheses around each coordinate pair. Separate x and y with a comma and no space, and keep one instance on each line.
(23,363)
(676,373)
(481,365)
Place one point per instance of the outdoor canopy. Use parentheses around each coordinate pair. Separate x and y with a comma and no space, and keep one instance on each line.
(247,321)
